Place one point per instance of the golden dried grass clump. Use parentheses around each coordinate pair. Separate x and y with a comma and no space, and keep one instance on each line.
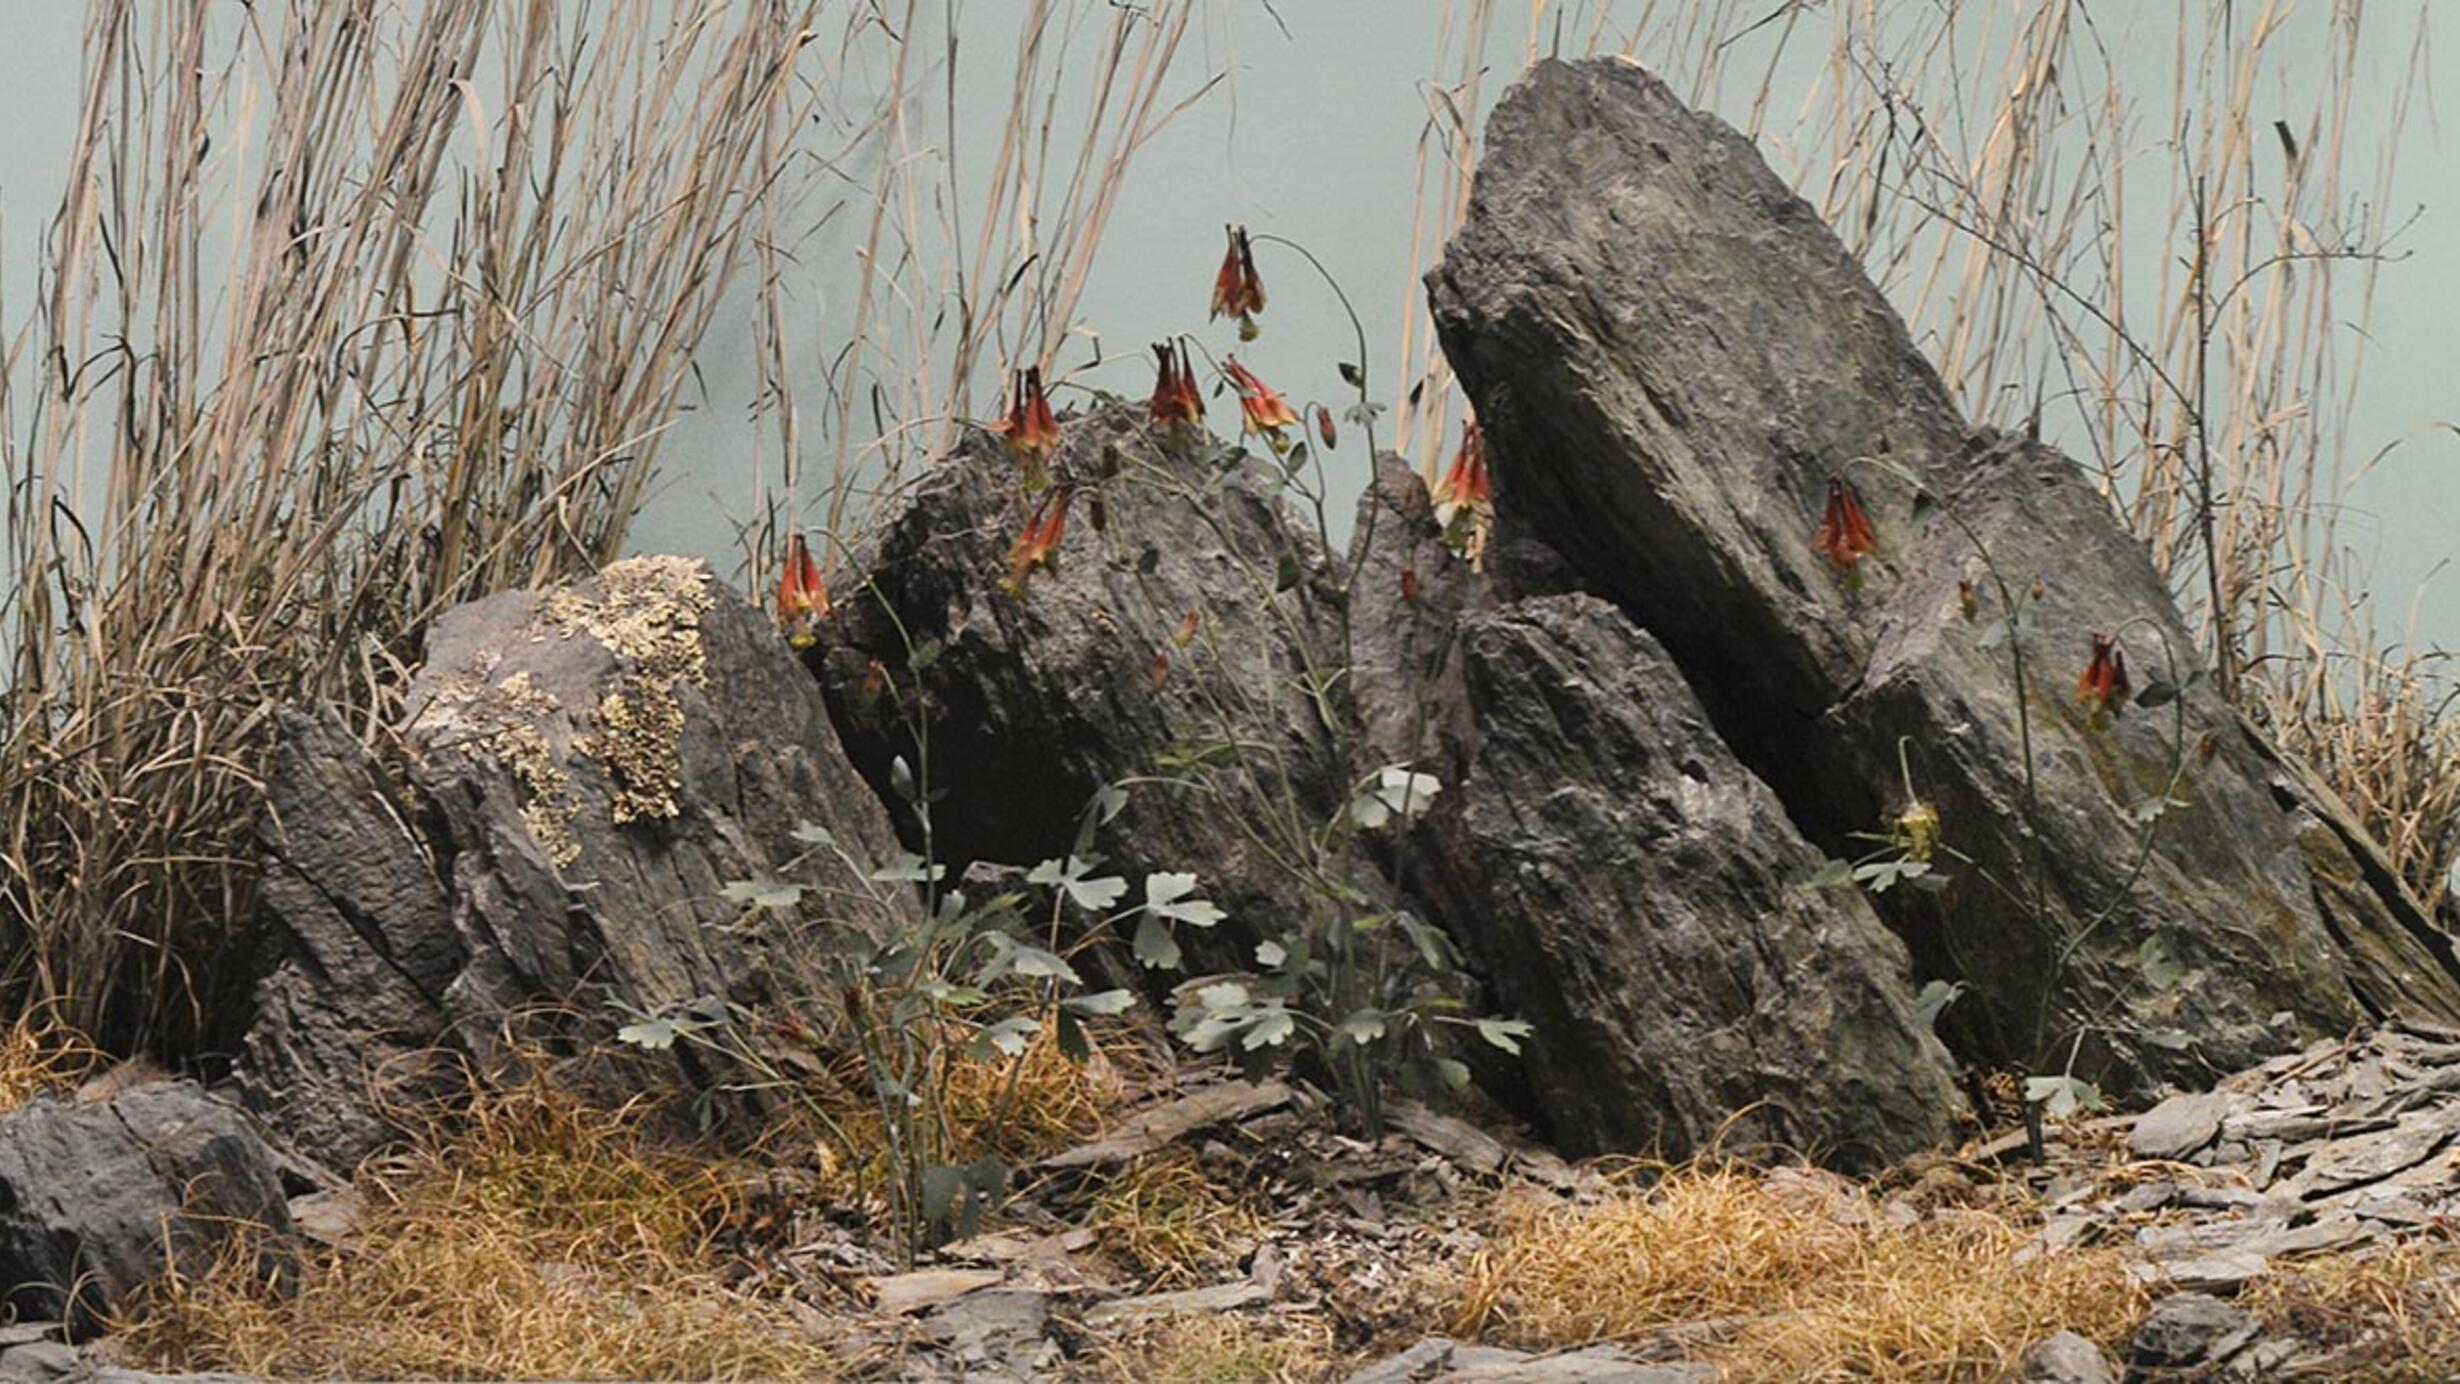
(535,1238)
(2391,1314)
(1170,1223)
(39,1055)
(1233,1349)
(1800,1276)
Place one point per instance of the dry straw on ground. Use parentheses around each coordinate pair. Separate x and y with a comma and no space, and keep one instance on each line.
(534,1238)
(1786,1278)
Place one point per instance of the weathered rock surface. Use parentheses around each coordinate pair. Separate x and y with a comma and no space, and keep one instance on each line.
(96,1200)
(588,769)
(1670,357)
(1037,697)
(1631,889)
(2064,1357)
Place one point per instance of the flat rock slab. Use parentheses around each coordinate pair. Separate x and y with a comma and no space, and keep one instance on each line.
(1220,1297)
(1437,1360)
(2179,1126)
(1148,1131)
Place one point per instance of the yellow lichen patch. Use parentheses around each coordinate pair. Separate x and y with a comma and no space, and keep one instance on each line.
(647,610)
(505,718)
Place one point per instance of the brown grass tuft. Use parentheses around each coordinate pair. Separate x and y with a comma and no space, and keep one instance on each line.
(38,1054)
(1162,1217)
(1225,1350)
(2395,1312)
(537,1239)
(1802,1277)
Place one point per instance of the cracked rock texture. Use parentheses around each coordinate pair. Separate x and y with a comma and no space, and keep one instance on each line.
(586,770)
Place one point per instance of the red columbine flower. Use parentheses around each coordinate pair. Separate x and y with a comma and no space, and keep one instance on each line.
(1176,399)
(1266,414)
(1038,545)
(1845,533)
(1237,291)
(802,598)
(2103,686)
(1465,501)
(1467,483)
(1030,429)
(1324,428)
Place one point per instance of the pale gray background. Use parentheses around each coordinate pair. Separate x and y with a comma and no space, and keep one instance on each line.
(1315,137)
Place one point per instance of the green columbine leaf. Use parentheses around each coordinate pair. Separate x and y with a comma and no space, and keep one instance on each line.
(1166,896)
(1271,953)
(1075,876)
(1036,964)
(1153,945)
(1008,1037)
(813,834)
(1394,792)
(2062,1096)
(1934,999)
(1453,1073)
(1272,1028)
(762,893)
(1504,1033)
(1101,1003)
(1362,1027)
(907,867)
(2157,959)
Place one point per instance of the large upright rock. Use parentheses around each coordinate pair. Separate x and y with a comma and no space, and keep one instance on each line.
(588,769)
(1030,697)
(99,1199)
(1637,894)
(1620,879)
(1671,356)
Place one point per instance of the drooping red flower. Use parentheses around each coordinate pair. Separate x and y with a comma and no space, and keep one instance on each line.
(1029,427)
(1265,412)
(802,597)
(2103,686)
(1158,671)
(1324,428)
(1467,483)
(1185,634)
(1465,499)
(1176,400)
(1038,545)
(1237,290)
(1845,532)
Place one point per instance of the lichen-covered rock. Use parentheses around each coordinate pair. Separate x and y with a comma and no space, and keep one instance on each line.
(587,769)
(1671,357)
(1182,623)
(97,1200)
(1631,889)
